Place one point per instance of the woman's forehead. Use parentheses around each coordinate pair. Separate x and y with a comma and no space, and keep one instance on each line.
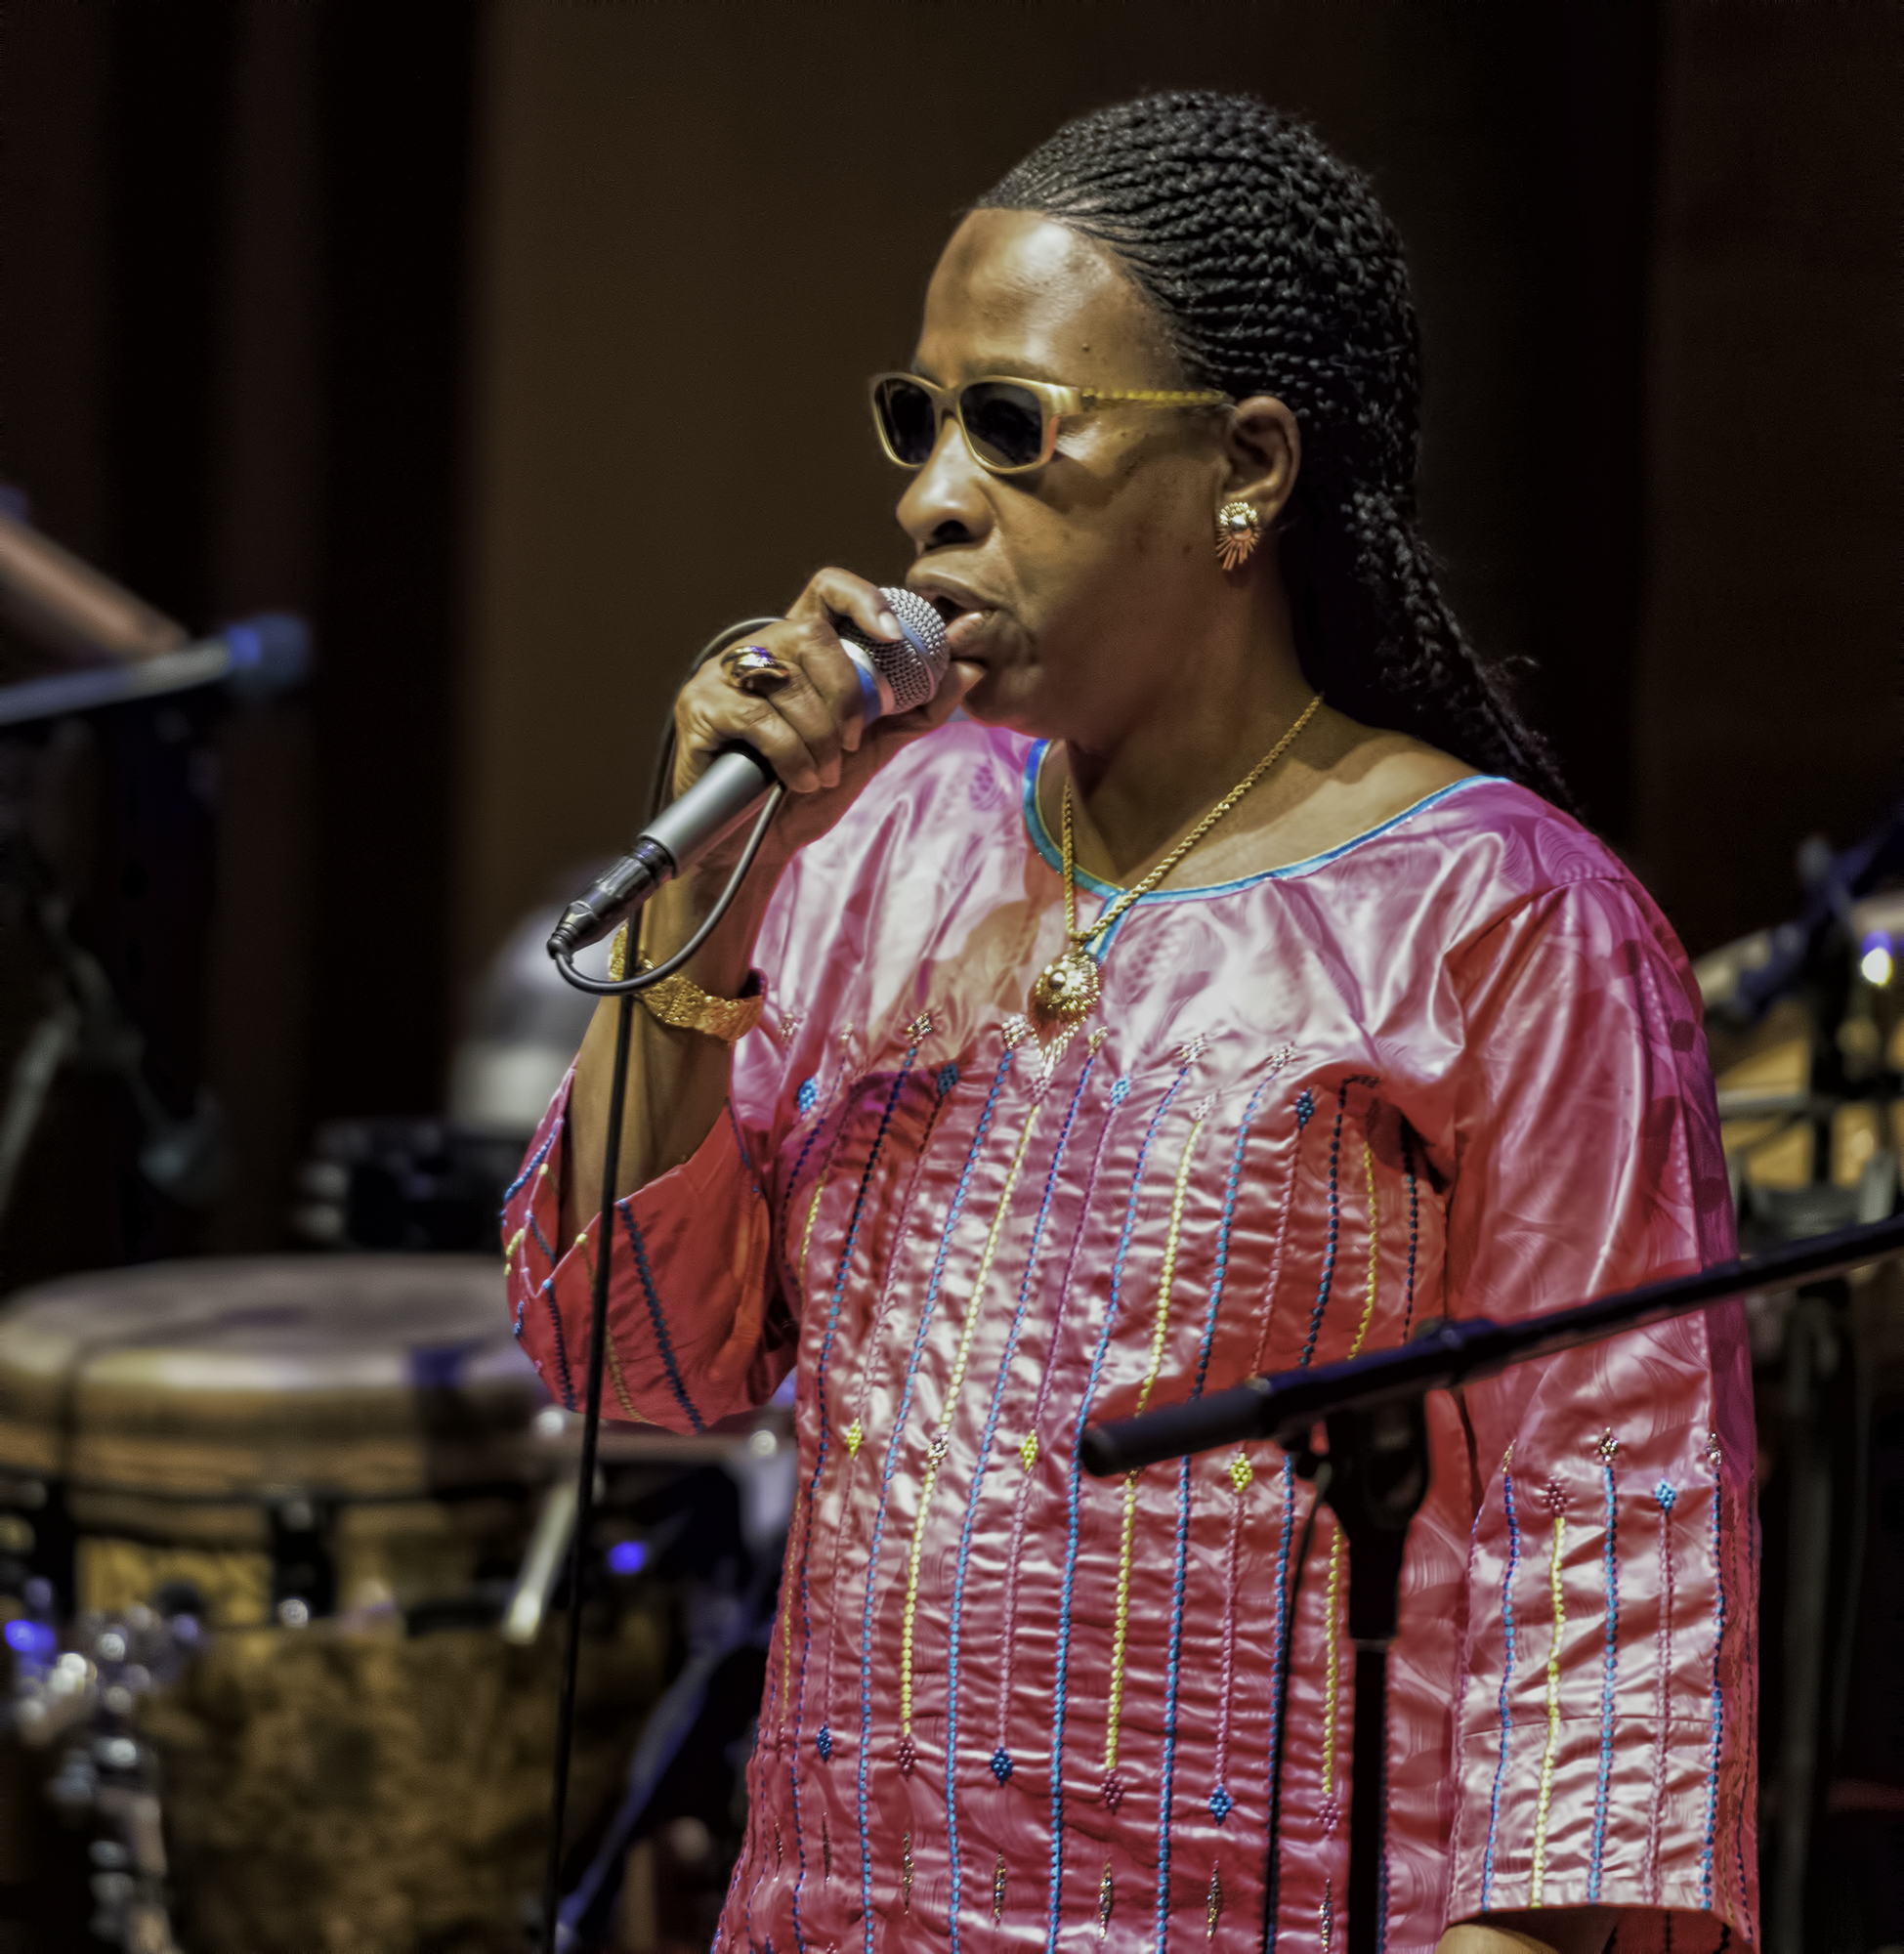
(1017,292)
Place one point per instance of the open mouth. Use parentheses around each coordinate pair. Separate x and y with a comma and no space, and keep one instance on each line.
(966,620)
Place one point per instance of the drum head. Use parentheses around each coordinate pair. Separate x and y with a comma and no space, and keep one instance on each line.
(348,1377)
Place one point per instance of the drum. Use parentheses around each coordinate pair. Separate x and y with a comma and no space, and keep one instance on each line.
(331,1462)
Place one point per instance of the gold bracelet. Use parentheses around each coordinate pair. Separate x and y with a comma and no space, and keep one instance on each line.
(681,1003)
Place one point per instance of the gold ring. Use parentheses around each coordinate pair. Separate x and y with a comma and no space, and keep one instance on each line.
(753,668)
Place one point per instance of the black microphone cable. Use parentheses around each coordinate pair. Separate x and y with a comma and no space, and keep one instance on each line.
(624,988)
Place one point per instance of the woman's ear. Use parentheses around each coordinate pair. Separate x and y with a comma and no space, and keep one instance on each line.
(1263,445)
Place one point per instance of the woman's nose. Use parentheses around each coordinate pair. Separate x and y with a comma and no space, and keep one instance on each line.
(945,500)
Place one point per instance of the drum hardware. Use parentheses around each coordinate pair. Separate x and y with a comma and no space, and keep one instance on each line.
(721,1625)
(708,1513)
(1806,1026)
(107,1779)
(409,1184)
(334,1452)
(542,1565)
(302,1565)
(87,1027)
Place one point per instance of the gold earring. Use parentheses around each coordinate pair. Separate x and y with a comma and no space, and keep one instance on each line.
(1239,530)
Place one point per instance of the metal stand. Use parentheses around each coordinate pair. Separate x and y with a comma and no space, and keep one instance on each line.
(1379,1476)
(1372,1409)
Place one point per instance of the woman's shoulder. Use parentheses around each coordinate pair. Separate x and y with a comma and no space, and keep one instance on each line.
(1478,848)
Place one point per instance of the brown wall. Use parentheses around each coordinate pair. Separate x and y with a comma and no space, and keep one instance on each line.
(1773,698)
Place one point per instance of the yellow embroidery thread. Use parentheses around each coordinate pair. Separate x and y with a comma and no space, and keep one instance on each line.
(615,1376)
(1553,1712)
(1375,1248)
(1331,1676)
(813,1211)
(787,1615)
(620,1383)
(942,1431)
(1159,1326)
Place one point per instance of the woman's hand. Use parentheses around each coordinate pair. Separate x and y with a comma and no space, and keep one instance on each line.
(811,730)
(1561,1930)
(810,726)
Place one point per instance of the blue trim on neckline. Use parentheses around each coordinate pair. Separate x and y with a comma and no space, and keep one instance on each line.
(1041,840)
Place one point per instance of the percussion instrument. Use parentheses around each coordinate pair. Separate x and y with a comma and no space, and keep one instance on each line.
(330,1462)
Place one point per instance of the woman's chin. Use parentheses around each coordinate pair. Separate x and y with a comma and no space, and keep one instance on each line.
(1010,701)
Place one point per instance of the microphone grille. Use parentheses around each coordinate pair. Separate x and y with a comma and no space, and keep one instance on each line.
(913,666)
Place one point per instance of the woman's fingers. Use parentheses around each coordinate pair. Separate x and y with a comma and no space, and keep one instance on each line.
(839,593)
(712,715)
(805,711)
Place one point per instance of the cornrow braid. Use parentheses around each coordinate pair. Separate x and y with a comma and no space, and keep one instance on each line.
(1276,272)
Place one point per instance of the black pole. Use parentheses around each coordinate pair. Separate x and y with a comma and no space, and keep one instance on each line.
(1379,1477)
(597,1342)
(1367,1783)
(1379,1459)
(1287,1407)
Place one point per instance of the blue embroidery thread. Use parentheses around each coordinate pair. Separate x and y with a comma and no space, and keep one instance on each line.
(547,1294)
(1061,1679)
(542,1241)
(1335,1226)
(1413,1226)
(530,1165)
(1718,1705)
(1506,1677)
(985,1442)
(819,1465)
(1174,1658)
(1276,1670)
(926,1307)
(1610,1581)
(654,1317)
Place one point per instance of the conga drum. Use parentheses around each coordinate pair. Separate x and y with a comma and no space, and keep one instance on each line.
(331,1459)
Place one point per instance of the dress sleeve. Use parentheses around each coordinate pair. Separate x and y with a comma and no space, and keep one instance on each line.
(697,1328)
(1603,1726)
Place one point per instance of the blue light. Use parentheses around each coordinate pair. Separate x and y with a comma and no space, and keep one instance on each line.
(31,1638)
(627,1556)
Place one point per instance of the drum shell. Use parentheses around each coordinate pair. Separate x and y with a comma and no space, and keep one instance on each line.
(161,1424)
(374,1780)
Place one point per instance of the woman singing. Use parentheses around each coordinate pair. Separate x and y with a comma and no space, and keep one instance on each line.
(1224,992)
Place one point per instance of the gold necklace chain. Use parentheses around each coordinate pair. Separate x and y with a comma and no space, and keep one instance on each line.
(1066,989)
(1080,937)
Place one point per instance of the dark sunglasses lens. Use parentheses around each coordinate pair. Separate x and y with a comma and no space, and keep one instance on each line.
(907,420)
(1004,422)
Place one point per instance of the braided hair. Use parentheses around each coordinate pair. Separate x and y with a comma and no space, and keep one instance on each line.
(1275,271)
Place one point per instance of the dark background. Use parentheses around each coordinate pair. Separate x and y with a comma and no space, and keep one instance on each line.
(520,345)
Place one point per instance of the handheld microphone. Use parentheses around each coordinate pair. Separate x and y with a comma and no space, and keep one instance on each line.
(894,677)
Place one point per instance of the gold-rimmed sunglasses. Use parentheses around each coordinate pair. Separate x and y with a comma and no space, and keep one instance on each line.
(1010,425)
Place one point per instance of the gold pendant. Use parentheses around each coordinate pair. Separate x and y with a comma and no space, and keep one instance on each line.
(1066,994)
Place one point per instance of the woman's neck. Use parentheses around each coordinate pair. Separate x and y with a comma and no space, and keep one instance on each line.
(1138,785)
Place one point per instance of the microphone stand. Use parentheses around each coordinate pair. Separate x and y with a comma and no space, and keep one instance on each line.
(1374,1412)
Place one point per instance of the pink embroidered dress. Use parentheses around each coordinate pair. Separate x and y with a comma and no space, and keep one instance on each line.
(1452,1067)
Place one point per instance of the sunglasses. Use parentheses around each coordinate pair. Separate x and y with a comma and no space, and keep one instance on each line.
(1009,425)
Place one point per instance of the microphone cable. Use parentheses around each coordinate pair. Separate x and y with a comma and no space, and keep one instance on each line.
(624,988)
